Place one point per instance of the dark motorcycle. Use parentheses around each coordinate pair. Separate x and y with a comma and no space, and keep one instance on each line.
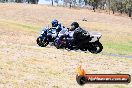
(91,43)
(47,35)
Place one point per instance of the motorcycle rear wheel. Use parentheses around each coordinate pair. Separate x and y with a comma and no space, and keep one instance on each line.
(95,47)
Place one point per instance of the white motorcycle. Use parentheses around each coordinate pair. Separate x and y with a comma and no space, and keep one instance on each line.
(91,43)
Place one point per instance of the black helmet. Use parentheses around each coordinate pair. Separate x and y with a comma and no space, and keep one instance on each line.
(75,24)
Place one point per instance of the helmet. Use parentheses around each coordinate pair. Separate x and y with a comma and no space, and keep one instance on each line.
(54,23)
(74,25)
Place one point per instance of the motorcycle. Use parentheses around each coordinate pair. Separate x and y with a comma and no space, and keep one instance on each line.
(48,35)
(91,43)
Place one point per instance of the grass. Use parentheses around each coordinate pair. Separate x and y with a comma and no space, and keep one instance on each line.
(21,26)
(110,45)
(117,48)
(116,31)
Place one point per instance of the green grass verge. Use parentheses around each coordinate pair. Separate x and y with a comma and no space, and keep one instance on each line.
(19,26)
(118,48)
(25,26)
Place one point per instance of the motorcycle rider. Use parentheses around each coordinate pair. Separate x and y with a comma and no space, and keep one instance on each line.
(80,36)
(55,24)
(76,35)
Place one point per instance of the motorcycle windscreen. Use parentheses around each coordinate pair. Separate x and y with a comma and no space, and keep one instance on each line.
(63,31)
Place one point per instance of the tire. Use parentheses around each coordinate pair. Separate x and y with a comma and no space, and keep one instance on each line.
(56,44)
(42,43)
(95,47)
(39,41)
(81,80)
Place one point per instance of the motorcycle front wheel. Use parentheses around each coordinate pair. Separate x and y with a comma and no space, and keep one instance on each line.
(57,45)
(41,42)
